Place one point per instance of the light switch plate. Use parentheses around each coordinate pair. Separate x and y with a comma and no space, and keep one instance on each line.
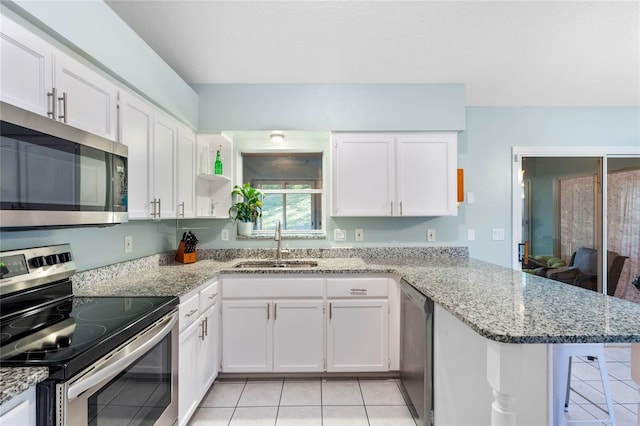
(498,234)
(431,235)
(359,234)
(339,235)
(471,198)
(224,235)
(128,244)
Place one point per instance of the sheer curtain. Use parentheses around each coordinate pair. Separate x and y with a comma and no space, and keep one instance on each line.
(623,227)
(576,214)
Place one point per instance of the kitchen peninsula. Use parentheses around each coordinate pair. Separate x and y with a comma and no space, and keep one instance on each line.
(493,325)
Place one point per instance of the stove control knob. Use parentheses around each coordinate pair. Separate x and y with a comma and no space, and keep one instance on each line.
(37,262)
(52,259)
(64,257)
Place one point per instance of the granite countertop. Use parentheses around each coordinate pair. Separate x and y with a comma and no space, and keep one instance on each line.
(499,303)
(15,380)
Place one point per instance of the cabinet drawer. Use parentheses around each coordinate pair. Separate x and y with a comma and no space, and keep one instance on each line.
(272,287)
(208,296)
(189,311)
(357,287)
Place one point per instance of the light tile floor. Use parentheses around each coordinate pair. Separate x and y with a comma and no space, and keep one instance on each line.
(346,402)
(587,400)
(302,402)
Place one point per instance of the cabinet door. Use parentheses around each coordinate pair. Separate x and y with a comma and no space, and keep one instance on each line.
(164,174)
(363,169)
(358,336)
(20,410)
(189,375)
(426,174)
(246,336)
(136,131)
(209,350)
(25,68)
(298,336)
(91,100)
(186,172)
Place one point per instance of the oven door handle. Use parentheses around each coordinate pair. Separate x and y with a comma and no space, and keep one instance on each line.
(113,363)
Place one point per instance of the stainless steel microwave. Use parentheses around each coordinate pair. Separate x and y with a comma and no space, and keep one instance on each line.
(54,175)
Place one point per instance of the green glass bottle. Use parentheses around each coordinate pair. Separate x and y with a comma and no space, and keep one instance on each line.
(217,166)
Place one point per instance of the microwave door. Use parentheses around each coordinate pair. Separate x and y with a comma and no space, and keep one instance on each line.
(93,185)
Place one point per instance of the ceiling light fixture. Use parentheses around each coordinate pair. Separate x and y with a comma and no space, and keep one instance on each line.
(277,136)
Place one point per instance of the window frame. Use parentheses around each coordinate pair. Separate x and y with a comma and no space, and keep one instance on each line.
(324,152)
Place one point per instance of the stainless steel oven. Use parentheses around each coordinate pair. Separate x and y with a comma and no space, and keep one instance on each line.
(136,384)
(111,360)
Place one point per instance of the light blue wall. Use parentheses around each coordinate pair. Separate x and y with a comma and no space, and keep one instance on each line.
(94,30)
(484,151)
(331,107)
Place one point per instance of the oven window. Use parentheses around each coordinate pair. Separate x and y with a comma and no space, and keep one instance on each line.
(139,395)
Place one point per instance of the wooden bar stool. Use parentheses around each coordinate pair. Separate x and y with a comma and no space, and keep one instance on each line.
(562,354)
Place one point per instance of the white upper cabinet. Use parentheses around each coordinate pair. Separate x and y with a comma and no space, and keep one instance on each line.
(152,139)
(402,174)
(40,78)
(163,184)
(186,172)
(25,68)
(136,131)
(85,99)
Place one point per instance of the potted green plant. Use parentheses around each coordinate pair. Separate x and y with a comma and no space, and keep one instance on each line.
(248,209)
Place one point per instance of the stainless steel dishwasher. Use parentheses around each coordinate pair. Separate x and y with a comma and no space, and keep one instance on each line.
(416,353)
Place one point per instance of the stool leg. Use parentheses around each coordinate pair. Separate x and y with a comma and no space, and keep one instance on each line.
(604,376)
(566,400)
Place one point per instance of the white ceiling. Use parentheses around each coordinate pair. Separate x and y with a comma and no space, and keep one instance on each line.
(509,53)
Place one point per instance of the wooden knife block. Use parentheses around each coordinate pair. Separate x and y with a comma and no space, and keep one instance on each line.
(183,257)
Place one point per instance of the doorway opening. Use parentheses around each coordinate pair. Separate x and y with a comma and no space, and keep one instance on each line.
(578,215)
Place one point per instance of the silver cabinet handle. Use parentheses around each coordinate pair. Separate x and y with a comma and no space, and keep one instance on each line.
(202,330)
(400,208)
(275,311)
(330,312)
(206,326)
(54,103)
(64,115)
(191,312)
(392,208)
(268,309)
(159,209)
(181,205)
(213,296)
(153,212)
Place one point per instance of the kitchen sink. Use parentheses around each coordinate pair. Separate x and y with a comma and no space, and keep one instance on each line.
(277,264)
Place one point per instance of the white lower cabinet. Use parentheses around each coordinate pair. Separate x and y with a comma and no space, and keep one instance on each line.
(19,410)
(305,324)
(198,350)
(272,336)
(358,335)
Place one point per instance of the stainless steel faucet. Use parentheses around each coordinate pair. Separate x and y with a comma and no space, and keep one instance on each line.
(278,238)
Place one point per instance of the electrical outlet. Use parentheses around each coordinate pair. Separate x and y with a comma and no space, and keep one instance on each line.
(359,234)
(431,235)
(471,234)
(498,234)
(339,235)
(224,235)
(128,244)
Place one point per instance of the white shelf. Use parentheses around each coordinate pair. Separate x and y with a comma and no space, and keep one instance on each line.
(214,178)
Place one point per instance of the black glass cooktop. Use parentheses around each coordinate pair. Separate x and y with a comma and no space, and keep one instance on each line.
(72,334)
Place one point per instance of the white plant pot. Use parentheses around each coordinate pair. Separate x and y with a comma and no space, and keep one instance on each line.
(245,228)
